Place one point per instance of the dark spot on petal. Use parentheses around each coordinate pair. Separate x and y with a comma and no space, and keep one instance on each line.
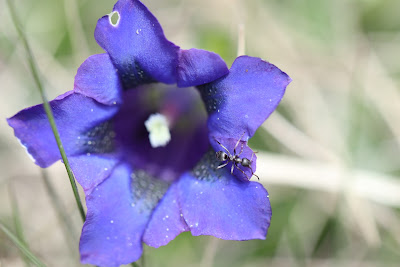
(133,75)
(99,139)
(211,97)
(206,168)
(146,190)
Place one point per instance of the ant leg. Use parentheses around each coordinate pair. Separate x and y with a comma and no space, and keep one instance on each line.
(223,165)
(237,143)
(251,159)
(233,166)
(241,150)
(243,172)
(254,152)
(252,173)
(229,153)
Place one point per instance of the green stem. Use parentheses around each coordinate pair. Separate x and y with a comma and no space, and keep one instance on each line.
(47,108)
(21,245)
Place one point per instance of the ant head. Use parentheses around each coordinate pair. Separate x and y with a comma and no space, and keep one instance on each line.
(221,156)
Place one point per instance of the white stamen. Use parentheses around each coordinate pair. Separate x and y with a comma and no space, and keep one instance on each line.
(157,126)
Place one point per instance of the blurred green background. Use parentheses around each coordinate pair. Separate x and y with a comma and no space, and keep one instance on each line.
(330,156)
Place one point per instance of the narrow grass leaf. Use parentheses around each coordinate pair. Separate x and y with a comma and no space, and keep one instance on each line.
(49,113)
(17,220)
(20,244)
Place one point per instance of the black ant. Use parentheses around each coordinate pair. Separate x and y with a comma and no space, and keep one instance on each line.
(235,159)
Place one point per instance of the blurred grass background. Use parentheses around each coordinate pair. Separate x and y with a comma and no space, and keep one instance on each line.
(330,156)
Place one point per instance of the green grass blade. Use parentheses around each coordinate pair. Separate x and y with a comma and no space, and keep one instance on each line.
(49,113)
(21,246)
(17,221)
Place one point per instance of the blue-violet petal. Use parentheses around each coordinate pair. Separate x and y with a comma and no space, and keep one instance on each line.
(75,115)
(98,78)
(137,45)
(198,67)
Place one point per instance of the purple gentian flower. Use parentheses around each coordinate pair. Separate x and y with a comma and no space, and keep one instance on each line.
(141,128)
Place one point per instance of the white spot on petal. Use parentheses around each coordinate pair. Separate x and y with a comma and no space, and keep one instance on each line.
(114,16)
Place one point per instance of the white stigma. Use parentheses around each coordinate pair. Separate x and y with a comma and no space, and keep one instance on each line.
(157,126)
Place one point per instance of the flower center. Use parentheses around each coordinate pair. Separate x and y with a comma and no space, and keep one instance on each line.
(157,126)
(161,129)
